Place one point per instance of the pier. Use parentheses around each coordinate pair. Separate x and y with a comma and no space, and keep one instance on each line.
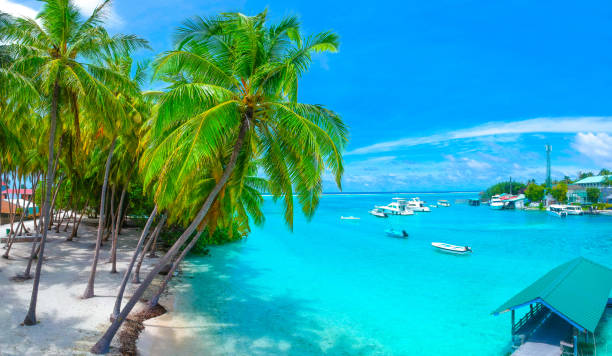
(566,305)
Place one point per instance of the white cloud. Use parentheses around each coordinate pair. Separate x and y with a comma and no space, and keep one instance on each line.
(86,7)
(539,125)
(17,10)
(596,146)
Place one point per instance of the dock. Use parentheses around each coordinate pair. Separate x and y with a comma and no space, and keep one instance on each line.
(547,338)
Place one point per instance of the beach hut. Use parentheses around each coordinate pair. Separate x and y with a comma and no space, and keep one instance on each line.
(566,305)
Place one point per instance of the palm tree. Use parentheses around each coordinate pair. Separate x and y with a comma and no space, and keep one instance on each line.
(234,89)
(49,52)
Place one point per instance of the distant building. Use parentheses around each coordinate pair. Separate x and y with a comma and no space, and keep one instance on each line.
(576,193)
(25,194)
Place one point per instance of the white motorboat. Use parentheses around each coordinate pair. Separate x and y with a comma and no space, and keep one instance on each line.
(378,213)
(573,210)
(496,203)
(399,234)
(433,206)
(452,249)
(443,203)
(349,218)
(398,207)
(557,210)
(416,204)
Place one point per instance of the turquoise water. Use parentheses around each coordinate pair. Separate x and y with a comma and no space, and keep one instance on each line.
(342,287)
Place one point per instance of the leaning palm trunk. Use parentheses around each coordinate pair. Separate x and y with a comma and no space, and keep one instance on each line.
(126,276)
(89,290)
(116,231)
(160,225)
(155,300)
(19,226)
(103,344)
(30,318)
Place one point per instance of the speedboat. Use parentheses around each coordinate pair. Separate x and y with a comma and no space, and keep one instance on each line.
(349,218)
(443,203)
(416,204)
(452,249)
(573,210)
(496,203)
(378,213)
(433,206)
(399,234)
(557,210)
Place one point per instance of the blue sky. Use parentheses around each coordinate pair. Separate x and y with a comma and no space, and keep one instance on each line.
(439,95)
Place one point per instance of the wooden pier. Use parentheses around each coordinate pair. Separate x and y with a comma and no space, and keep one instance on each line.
(547,338)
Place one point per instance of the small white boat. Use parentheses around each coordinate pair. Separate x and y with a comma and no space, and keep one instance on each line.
(605,212)
(495,203)
(573,210)
(378,213)
(444,203)
(349,218)
(397,207)
(448,248)
(399,234)
(417,205)
(557,210)
(433,206)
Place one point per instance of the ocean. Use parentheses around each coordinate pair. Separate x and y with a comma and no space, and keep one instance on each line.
(342,287)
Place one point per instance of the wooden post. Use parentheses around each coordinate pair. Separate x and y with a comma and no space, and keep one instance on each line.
(512,330)
(575,342)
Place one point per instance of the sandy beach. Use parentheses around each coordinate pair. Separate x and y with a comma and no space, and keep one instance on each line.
(68,325)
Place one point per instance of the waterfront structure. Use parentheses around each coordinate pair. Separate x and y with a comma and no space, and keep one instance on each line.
(566,304)
(576,192)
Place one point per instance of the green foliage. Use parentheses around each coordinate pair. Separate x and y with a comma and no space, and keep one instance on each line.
(503,187)
(582,175)
(605,172)
(559,192)
(593,194)
(534,192)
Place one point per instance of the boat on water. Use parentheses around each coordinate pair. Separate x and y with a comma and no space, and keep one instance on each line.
(433,206)
(496,203)
(379,213)
(556,210)
(399,206)
(452,249)
(349,218)
(416,204)
(444,203)
(399,234)
(573,210)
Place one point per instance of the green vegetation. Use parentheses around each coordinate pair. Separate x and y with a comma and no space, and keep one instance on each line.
(534,192)
(503,187)
(593,195)
(196,155)
(559,192)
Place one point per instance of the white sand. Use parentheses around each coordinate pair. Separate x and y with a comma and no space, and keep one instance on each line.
(67,325)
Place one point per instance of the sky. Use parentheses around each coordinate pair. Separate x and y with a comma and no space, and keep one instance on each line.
(438,95)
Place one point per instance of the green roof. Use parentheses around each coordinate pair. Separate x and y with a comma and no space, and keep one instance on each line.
(592,180)
(577,291)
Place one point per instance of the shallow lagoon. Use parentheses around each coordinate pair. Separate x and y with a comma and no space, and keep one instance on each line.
(342,287)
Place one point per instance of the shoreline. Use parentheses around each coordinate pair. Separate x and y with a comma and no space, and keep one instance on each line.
(68,325)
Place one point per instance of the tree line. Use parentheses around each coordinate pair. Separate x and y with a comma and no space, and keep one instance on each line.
(78,123)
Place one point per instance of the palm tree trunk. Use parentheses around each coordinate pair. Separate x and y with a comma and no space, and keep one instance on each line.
(30,318)
(116,231)
(126,276)
(103,344)
(153,247)
(89,290)
(160,225)
(111,216)
(75,229)
(155,300)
